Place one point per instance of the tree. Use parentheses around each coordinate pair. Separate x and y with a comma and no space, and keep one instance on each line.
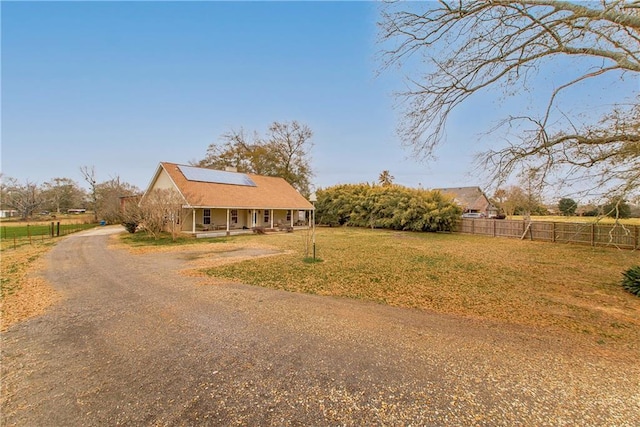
(89,175)
(104,197)
(617,208)
(567,206)
(515,200)
(108,196)
(391,207)
(61,194)
(385,178)
(284,152)
(25,198)
(161,210)
(474,46)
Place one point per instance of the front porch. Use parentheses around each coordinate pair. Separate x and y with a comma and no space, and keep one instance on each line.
(215,222)
(239,231)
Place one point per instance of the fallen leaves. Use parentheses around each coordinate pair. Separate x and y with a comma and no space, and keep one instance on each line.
(531,283)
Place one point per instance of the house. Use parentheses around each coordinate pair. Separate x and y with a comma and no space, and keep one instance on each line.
(471,200)
(227,200)
(8,213)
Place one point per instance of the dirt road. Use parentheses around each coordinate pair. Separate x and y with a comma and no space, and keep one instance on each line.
(133,342)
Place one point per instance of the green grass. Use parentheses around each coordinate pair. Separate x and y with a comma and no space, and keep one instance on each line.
(571,287)
(36,230)
(14,236)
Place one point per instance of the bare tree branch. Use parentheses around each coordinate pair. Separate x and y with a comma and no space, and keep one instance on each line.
(472,45)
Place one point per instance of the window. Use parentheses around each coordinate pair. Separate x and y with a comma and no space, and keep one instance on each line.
(234,216)
(267,217)
(288,215)
(206,216)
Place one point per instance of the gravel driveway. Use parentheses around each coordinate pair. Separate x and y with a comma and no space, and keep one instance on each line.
(135,343)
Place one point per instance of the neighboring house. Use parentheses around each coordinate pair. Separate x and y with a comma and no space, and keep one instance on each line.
(224,200)
(8,213)
(471,200)
(127,201)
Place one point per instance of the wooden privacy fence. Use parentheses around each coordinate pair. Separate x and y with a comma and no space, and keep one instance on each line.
(594,234)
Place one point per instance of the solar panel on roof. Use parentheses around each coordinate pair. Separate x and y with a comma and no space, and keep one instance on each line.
(214,176)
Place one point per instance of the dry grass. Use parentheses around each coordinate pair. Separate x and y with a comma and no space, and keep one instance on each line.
(22,294)
(555,286)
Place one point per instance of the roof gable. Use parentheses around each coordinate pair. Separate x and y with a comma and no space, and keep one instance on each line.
(467,197)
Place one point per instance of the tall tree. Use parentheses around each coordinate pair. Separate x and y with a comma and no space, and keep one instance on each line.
(61,194)
(285,151)
(617,208)
(108,198)
(515,200)
(161,210)
(385,178)
(23,197)
(89,175)
(104,197)
(474,45)
(567,206)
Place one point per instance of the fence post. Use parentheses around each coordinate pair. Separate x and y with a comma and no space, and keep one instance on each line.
(593,234)
(58,228)
(52,229)
(494,228)
(553,232)
(637,242)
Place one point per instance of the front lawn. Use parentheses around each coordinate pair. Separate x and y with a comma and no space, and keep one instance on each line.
(546,285)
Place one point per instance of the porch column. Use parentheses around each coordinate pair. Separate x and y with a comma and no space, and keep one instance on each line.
(271,216)
(193,221)
(253,218)
(228,218)
(291,217)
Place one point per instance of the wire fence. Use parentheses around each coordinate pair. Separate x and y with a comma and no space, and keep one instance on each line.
(12,237)
(595,234)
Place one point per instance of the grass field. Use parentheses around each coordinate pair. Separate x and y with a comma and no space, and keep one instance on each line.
(46,219)
(566,287)
(14,236)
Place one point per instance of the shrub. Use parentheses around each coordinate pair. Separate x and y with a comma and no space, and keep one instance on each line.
(130,226)
(567,206)
(631,280)
(391,207)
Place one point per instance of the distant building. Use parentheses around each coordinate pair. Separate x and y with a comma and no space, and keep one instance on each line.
(8,213)
(471,200)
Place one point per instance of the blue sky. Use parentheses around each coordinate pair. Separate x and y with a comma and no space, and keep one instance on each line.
(122,86)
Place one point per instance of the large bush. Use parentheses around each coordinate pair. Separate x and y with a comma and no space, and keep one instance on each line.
(631,280)
(567,206)
(392,207)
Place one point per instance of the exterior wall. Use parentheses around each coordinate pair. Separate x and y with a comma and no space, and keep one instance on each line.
(163,181)
(219,218)
(279,216)
(187,220)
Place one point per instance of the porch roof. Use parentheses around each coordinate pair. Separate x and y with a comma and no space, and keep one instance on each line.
(268,192)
